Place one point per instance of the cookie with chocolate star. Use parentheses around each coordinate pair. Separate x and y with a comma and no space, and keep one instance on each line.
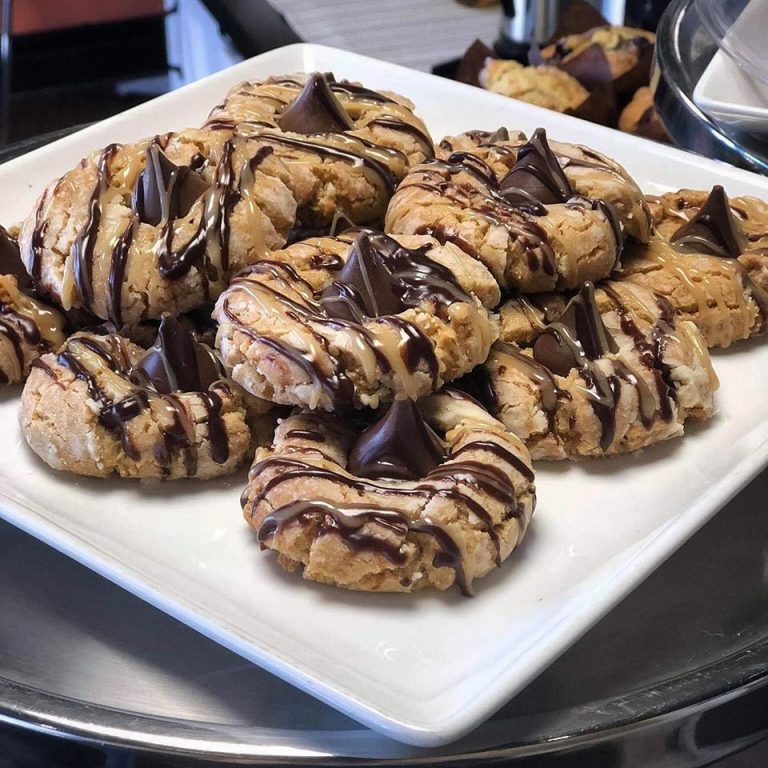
(103,405)
(600,380)
(422,495)
(541,217)
(356,320)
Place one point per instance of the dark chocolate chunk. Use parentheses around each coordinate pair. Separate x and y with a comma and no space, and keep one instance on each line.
(165,190)
(315,110)
(364,288)
(400,446)
(579,335)
(536,173)
(10,260)
(176,362)
(500,134)
(714,229)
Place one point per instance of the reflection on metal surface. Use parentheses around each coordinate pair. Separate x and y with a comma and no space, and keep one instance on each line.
(82,657)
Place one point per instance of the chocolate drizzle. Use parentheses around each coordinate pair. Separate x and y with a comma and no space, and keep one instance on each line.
(380,280)
(155,382)
(11,263)
(576,341)
(487,202)
(536,174)
(377,526)
(713,230)
(400,446)
(85,242)
(315,110)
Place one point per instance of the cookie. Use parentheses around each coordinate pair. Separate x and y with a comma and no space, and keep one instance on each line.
(596,384)
(639,117)
(136,230)
(624,47)
(708,269)
(28,327)
(103,405)
(432,494)
(347,146)
(520,215)
(355,320)
(543,86)
(588,172)
(673,209)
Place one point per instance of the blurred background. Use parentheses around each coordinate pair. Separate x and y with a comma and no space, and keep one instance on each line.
(74,62)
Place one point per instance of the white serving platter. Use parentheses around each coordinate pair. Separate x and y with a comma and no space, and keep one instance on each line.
(422,669)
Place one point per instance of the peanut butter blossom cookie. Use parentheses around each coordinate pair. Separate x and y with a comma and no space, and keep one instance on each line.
(673,209)
(347,146)
(355,320)
(712,267)
(29,327)
(102,405)
(430,494)
(539,220)
(136,230)
(594,384)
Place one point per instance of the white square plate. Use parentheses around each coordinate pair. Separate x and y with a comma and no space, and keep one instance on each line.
(423,669)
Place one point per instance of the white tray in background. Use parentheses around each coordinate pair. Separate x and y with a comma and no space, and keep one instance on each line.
(427,668)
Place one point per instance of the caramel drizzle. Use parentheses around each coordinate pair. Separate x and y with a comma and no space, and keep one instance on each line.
(207,248)
(398,346)
(708,294)
(346,521)
(88,358)
(487,203)
(25,321)
(603,390)
(386,112)
(341,146)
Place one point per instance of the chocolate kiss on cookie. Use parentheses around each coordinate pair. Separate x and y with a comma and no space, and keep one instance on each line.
(578,335)
(500,134)
(536,174)
(315,110)
(399,446)
(364,287)
(176,362)
(165,190)
(10,260)
(714,229)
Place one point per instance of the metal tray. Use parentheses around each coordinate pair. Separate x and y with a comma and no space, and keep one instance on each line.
(675,681)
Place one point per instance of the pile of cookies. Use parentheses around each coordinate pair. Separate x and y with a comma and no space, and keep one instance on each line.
(389,330)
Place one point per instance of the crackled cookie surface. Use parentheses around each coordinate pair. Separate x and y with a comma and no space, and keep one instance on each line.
(589,173)
(515,210)
(708,268)
(544,86)
(136,230)
(594,384)
(28,327)
(346,146)
(432,494)
(341,322)
(103,405)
